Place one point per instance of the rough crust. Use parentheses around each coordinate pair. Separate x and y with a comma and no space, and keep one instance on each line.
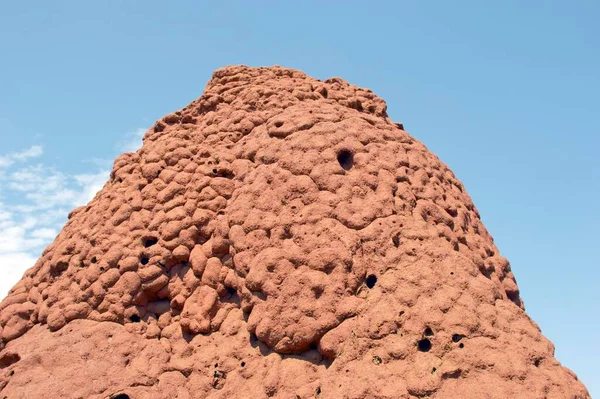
(277,237)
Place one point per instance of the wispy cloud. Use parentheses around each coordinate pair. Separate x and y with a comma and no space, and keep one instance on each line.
(32,152)
(35,198)
(132,141)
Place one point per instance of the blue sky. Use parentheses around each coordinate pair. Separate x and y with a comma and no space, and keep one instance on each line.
(506,93)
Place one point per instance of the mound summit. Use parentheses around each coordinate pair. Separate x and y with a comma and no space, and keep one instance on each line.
(278,237)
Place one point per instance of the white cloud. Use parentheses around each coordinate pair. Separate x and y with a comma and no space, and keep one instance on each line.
(44,233)
(35,201)
(13,264)
(90,184)
(132,141)
(32,152)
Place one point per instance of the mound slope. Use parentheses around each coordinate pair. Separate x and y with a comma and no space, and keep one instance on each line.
(279,236)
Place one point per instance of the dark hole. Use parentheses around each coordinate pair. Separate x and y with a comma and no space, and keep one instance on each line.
(396,240)
(144,260)
(94,260)
(101,268)
(461,345)
(243,364)
(514,297)
(278,124)
(215,171)
(428,332)
(452,273)
(313,347)
(318,391)
(371,280)
(120,396)
(456,337)
(9,359)
(537,362)
(216,365)
(424,345)
(58,268)
(134,318)
(231,291)
(433,370)
(150,241)
(219,374)
(346,159)
(11,373)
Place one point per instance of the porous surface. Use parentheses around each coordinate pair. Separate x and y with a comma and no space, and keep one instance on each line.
(278,237)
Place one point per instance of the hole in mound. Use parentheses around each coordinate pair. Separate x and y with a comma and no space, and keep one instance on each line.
(537,362)
(456,337)
(424,345)
(135,318)
(120,396)
(58,269)
(93,260)
(428,332)
(317,291)
(433,370)
(278,124)
(514,297)
(144,260)
(150,241)
(371,280)
(243,364)
(396,240)
(9,359)
(461,345)
(346,159)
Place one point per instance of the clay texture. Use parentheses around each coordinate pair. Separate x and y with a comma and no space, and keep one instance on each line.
(278,237)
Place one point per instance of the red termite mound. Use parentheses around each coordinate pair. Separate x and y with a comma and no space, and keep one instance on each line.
(278,237)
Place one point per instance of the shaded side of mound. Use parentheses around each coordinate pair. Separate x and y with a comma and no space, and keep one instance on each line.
(279,236)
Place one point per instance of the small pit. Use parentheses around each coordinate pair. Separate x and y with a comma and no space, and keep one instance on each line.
(346,159)
(8,359)
(371,281)
(424,345)
(150,241)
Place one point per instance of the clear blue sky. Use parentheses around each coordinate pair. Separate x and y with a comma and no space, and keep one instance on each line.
(506,93)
